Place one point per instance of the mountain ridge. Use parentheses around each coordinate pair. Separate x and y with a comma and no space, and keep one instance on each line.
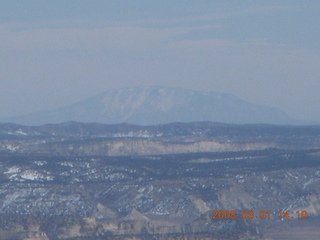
(158,105)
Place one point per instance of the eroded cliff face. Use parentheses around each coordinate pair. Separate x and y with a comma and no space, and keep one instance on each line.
(141,147)
(75,139)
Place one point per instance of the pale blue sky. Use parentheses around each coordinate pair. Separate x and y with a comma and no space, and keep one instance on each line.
(54,53)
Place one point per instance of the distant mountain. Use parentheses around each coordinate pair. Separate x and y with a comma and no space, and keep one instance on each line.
(158,105)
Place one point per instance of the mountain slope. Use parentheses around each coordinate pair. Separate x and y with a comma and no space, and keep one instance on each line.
(157,105)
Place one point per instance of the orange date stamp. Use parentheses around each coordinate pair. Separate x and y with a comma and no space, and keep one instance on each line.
(258,215)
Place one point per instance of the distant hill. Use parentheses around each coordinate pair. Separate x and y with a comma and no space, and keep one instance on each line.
(158,105)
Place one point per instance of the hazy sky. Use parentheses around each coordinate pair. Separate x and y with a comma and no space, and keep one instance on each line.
(54,53)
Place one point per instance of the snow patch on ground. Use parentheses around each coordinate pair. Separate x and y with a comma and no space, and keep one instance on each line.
(40,163)
(12,170)
(11,147)
(66,164)
(309,182)
(20,132)
(139,134)
(34,175)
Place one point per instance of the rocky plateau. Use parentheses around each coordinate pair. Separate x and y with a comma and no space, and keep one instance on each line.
(94,181)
